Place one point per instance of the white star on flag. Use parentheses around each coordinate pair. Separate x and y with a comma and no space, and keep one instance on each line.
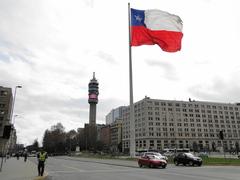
(138,18)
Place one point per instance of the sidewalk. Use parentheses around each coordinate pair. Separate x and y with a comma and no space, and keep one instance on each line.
(14,169)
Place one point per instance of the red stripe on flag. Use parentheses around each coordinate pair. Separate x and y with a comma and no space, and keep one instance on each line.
(169,41)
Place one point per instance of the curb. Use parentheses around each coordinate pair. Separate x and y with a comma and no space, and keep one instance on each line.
(41,177)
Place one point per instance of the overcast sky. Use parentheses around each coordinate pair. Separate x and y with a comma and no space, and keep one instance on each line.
(52,48)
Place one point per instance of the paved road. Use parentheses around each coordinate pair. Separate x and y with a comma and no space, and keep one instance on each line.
(65,168)
(14,169)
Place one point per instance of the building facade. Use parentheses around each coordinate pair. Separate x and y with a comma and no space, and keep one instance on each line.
(5,111)
(116,136)
(12,141)
(105,136)
(161,124)
(115,114)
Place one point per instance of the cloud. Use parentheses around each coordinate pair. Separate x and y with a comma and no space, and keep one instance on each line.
(4,57)
(168,69)
(218,90)
(38,112)
(52,47)
(106,57)
(89,3)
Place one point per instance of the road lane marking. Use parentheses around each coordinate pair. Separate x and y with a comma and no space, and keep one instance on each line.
(74,168)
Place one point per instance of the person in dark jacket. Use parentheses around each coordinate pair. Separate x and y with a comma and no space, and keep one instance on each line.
(17,155)
(25,156)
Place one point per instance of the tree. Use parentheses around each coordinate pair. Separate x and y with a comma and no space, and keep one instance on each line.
(47,144)
(54,140)
(71,140)
(237,147)
(35,145)
(213,146)
(120,147)
(58,128)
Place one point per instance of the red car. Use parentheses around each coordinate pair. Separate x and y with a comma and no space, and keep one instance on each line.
(152,161)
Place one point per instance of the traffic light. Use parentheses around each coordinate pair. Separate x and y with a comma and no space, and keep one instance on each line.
(7,131)
(221,136)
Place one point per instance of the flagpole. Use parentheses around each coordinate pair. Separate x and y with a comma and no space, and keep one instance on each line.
(132,121)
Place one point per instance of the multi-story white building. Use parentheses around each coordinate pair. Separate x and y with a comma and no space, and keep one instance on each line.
(115,114)
(163,124)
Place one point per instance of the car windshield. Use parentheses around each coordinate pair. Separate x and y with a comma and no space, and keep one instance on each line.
(153,153)
(152,157)
(157,154)
(189,155)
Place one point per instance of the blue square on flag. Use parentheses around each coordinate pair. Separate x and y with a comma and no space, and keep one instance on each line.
(137,17)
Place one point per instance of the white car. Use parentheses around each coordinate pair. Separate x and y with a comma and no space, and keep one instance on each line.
(156,154)
(169,154)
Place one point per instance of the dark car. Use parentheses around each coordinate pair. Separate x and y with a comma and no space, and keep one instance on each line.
(152,161)
(187,158)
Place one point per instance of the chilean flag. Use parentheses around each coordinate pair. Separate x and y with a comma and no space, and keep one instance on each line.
(151,27)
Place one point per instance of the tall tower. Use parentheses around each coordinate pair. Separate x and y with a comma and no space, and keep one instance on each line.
(93,99)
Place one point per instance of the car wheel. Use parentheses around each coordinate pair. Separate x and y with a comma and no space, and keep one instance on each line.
(191,163)
(176,163)
(140,165)
(164,166)
(151,165)
(199,164)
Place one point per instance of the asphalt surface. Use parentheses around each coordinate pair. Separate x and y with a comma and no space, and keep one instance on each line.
(14,169)
(70,168)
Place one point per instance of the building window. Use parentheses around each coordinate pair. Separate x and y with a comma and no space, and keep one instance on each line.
(3,93)
(179,124)
(2,105)
(163,104)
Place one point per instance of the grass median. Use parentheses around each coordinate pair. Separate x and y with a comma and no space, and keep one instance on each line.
(211,161)
(214,161)
(221,161)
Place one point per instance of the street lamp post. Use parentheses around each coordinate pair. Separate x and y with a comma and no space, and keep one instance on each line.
(14,119)
(14,97)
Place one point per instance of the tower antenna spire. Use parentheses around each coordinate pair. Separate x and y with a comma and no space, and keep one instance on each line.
(93,99)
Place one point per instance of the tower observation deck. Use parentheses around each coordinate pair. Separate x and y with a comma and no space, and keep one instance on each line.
(93,99)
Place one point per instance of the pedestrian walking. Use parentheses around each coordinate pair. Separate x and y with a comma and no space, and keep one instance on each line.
(17,155)
(25,156)
(42,156)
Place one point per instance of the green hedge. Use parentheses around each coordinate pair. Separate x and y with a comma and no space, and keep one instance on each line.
(221,161)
